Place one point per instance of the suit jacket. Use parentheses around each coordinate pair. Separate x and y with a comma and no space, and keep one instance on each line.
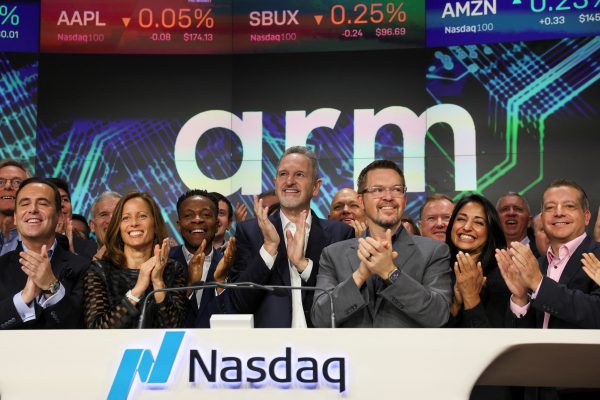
(67,313)
(572,302)
(274,309)
(420,297)
(198,316)
(85,248)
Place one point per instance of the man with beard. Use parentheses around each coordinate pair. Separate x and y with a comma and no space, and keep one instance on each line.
(197,213)
(12,173)
(284,248)
(388,278)
(515,219)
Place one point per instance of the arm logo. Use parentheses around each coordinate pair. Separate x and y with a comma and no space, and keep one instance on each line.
(142,362)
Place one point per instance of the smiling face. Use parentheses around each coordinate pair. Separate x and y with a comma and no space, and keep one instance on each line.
(103,212)
(7,191)
(294,183)
(137,224)
(563,216)
(223,220)
(345,207)
(434,219)
(35,214)
(514,217)
(469,231)
(386,211)
(197,222)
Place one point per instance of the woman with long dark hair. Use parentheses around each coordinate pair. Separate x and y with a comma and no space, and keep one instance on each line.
(480,294)
(135,263)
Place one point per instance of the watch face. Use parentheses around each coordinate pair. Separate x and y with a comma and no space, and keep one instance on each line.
(394,275)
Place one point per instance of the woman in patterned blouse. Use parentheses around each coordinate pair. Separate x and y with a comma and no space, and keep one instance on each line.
(135,263)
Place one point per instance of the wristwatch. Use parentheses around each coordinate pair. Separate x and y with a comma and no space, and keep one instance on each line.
(392,276)
(53,288)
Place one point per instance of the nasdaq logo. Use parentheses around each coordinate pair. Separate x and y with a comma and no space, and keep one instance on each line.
(142,363)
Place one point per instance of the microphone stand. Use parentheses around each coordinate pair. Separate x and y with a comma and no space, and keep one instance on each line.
(235,285)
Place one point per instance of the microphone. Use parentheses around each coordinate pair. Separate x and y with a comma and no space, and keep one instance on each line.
(200,285)
(235,286)
(252,285)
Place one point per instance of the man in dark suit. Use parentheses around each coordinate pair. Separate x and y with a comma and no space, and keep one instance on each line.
(388,277)
(41,284)
(197,221)
(284,249)
(554,291)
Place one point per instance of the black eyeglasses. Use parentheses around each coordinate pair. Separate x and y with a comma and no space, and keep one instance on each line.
(15,182)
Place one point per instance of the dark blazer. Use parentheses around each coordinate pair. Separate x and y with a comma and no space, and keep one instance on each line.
(573,302)
(274,309)
(67,313)
(85,248)
(199,316)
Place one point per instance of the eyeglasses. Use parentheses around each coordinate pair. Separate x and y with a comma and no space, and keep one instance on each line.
(15,182)
(379,191)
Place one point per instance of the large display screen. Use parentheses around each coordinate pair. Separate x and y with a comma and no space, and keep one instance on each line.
(19,26)
(456,119)
(451,22)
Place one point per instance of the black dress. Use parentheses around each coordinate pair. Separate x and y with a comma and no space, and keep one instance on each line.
(105,304)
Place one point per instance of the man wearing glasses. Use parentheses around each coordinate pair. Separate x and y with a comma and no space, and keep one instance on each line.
(12,173)
(387,278)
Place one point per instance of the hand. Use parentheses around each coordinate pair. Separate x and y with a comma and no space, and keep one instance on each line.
(359,227)
(30,291)
(100,253)
(143,280)
(241,212)
(591,266)
(469,279)
(69,234)
(512,277)
(162,255)
(61,225)
(270,235)
(224,265)
(378,256)
(196,265)
(527,264)
(295,244)
(457,300)
(37,267)
(361,275)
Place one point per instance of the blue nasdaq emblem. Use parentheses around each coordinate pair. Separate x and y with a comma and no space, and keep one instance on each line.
(142,362)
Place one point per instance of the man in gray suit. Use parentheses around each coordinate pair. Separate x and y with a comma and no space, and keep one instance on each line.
(387,278)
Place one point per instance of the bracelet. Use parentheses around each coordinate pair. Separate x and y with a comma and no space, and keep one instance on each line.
(131,296)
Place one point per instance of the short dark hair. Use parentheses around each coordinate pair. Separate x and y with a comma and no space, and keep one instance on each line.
(220,197)
(431,199)
(495,235)
(81,218)
(197,192)
(305,151)
(61,184)
(43,181)
(9,162)
(361,182)
(267,193)
(412,223)
(583,198)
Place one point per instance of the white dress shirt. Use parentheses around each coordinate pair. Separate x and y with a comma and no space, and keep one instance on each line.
(296,278)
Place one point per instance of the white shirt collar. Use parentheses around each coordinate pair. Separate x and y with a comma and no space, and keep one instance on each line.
(188,256)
